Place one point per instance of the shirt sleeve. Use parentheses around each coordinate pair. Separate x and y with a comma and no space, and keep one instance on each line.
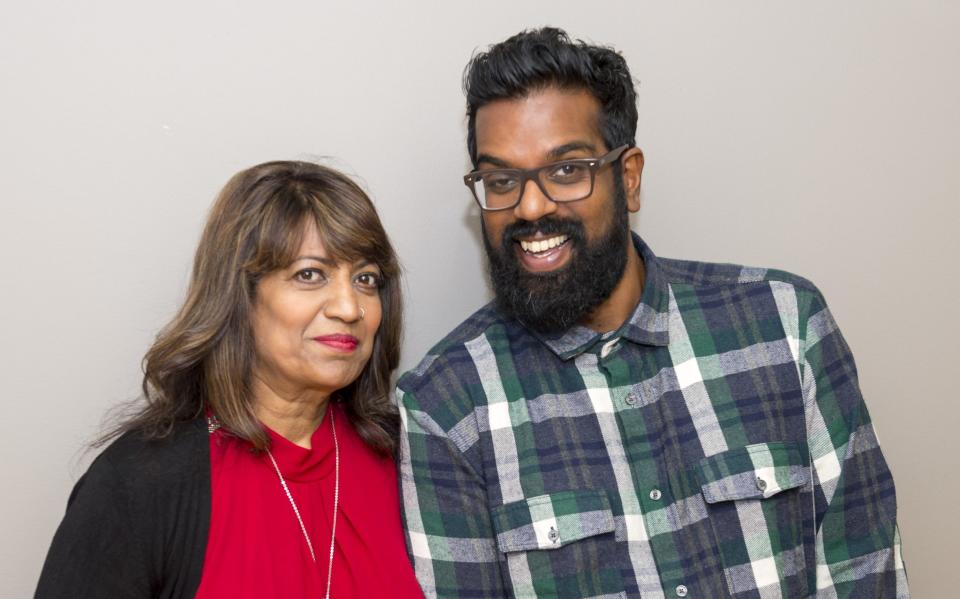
(449,533)
(857,540)
(95,551)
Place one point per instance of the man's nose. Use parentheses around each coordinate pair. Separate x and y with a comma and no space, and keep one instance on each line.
(534,204)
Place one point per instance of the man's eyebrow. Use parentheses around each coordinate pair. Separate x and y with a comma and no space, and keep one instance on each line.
(558,152)
(492,160)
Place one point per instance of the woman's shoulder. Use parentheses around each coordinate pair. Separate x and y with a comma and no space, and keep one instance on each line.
(139,515)
(140,460)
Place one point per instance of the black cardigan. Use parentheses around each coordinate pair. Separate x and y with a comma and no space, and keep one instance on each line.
(136,522)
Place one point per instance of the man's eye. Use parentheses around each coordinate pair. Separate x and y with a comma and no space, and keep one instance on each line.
(569,172)
(499,183)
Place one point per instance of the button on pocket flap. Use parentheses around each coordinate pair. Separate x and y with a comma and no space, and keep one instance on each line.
(753,472)
(551,521)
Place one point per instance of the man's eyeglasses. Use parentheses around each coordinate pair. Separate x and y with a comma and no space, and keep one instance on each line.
(564,181)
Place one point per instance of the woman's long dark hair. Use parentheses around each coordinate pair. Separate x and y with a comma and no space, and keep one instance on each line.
(204,358)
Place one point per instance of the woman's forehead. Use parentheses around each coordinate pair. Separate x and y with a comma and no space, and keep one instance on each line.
(311,242)
(314,246)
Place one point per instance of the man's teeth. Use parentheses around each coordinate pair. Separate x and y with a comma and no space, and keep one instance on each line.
(542,245)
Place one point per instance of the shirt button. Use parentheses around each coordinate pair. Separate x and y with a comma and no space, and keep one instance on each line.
(656,494)
(761,484)
(608,347)
(681,590)
(553,535)
(632,399)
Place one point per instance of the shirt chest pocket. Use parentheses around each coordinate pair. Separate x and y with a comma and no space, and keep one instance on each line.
(559,544)
(760,508)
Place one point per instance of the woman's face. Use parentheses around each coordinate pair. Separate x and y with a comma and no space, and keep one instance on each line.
(314,322)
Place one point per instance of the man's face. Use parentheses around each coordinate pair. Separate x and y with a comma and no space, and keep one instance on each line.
(552,263)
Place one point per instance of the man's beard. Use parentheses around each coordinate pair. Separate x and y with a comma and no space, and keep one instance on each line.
(552,302)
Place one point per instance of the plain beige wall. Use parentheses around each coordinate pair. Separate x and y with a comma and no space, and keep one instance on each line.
(818,137)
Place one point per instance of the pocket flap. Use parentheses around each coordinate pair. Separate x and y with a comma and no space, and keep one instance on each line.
(551,521)
(753,472)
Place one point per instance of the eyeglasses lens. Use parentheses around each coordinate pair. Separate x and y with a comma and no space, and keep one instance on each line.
(562,182)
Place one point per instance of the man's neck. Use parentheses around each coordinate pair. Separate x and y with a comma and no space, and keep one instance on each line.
(621,303)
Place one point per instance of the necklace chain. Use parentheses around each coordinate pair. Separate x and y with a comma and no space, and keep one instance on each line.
(336,499)
(336,502)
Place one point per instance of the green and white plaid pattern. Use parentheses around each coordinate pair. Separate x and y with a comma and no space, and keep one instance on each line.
(716,445)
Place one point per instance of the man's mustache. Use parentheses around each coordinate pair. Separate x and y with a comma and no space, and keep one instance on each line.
(548,225)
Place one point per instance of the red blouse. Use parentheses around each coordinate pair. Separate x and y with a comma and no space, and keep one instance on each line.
(256,547)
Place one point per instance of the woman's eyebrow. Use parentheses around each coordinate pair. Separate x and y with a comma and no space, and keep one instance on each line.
(363,262)
(321,259)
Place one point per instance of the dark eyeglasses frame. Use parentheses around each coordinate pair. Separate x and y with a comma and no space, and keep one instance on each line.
(533,174)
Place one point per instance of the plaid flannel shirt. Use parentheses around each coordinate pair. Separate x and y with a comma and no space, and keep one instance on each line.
(715,445)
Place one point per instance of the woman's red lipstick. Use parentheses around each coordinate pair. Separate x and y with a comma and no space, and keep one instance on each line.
(345,343)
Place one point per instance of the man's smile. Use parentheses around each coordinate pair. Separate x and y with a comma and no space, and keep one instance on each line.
(537,246)
(542,255)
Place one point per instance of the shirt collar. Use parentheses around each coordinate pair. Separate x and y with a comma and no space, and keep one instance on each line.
(647,325)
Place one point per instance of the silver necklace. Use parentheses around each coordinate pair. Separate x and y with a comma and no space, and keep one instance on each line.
(336,501)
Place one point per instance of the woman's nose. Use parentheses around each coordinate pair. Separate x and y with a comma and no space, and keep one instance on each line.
(343,302)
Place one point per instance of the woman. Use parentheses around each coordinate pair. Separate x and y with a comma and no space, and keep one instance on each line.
(261,464)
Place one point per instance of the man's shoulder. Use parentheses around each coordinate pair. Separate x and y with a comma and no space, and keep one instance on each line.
(447,355)
(725,289)
(719,274)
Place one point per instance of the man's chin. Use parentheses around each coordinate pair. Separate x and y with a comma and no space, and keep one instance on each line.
(538,299)
(541,285)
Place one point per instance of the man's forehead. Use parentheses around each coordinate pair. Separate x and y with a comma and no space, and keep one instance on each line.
(538,123)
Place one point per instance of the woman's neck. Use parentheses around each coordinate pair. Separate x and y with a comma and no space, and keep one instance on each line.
(293,416)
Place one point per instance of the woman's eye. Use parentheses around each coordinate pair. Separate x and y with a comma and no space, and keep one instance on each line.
(371,280)
(309,275)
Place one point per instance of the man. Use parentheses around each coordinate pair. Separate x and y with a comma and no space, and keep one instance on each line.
(617,424)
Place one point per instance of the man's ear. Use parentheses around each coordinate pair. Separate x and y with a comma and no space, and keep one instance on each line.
(632,167)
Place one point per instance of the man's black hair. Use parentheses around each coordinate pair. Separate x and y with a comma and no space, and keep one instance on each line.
(536,59)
